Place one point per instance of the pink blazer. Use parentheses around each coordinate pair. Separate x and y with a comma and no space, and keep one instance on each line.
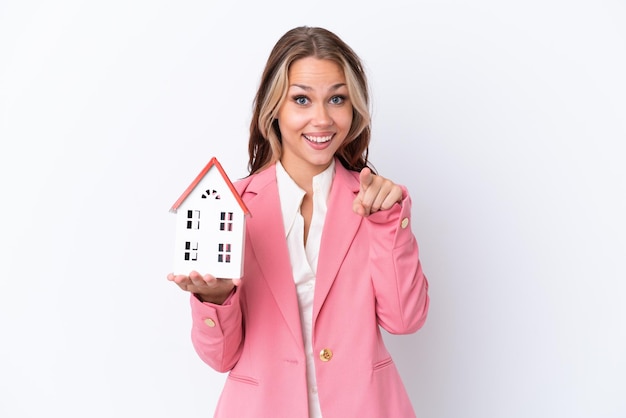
(369,276)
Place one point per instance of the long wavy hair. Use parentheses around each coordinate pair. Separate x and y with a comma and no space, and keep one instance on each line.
(265,145)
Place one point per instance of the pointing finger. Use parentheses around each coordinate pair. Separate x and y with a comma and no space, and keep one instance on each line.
(365,178)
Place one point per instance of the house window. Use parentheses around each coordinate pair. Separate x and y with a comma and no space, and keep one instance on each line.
(226,221)
(193,219)
(191,251)
(223,253)
(211,192)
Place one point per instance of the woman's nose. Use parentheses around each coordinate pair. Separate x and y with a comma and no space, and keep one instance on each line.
(322,116)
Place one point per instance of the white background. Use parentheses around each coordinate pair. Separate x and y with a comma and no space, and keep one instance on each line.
(505,119)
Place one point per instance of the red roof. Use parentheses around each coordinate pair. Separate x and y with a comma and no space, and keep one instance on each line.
(216,164)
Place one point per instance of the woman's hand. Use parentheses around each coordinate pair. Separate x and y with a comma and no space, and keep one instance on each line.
(376,193)
(207,288)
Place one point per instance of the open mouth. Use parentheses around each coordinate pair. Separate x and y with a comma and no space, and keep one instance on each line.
(318,139)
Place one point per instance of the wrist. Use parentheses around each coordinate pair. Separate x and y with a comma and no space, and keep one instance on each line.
(218,299)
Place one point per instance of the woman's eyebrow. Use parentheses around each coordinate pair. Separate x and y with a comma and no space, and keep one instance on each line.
(308,88)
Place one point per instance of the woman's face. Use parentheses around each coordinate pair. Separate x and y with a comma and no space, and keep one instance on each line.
(315,117)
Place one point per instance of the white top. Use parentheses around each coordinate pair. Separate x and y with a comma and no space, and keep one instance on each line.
(304,258)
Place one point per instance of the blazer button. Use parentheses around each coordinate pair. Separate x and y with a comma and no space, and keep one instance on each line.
(326,354)
(209,322)
(404,223)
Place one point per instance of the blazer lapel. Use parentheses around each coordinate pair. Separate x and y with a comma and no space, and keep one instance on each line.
(340,228)
(267,238)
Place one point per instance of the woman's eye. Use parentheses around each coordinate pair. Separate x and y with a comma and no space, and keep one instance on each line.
(337,99)
(301,100)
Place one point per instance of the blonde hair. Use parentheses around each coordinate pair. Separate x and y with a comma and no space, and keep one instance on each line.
(265,144)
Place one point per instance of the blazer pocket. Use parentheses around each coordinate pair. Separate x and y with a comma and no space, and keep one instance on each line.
(382,364)
(243,379)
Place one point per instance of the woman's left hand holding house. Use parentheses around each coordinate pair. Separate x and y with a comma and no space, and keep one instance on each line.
(207,288)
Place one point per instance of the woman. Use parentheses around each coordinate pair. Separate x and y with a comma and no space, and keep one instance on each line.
(329,258)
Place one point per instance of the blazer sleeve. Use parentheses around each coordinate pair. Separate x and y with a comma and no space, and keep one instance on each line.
(217,331)
(400,286)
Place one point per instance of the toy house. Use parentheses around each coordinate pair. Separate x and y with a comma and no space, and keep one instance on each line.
(210,226)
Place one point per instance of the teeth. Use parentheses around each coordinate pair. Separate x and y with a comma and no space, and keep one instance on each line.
(318,139)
